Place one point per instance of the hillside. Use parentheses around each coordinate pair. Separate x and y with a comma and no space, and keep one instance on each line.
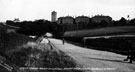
(19,51)
(101,31)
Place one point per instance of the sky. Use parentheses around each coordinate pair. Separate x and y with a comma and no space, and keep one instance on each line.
(41,9)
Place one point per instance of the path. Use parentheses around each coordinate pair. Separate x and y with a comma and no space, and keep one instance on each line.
(95,60)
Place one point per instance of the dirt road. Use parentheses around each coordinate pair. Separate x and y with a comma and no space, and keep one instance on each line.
(95,60)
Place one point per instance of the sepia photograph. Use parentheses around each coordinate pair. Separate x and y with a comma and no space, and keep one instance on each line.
(67,35)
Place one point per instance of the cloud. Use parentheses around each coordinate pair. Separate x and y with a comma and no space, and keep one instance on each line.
(31,9)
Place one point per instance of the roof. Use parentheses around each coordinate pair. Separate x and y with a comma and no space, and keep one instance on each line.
(66,17)
(82,17)
(101,16)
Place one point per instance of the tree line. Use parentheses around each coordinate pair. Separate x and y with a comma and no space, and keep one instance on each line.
(103,23)
(37,27)
(41,26)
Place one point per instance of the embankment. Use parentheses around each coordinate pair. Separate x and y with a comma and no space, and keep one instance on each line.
(25,53)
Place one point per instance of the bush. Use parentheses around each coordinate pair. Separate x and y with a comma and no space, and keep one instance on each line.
(10,41)
(22,51)
(34,56)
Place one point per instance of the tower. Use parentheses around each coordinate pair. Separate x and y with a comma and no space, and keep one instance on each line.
(54,16)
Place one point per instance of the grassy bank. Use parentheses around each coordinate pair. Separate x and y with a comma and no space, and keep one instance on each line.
(111,44)
(119,44)
(116,45)
(101,31)
(10,41)
(23,51)
(41,57)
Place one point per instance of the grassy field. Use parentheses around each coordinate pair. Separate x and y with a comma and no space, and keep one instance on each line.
(101,31)
(23,51)
(117,45)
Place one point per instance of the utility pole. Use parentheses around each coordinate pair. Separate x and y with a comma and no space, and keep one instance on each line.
(128,19)
(63,40)
(63,35)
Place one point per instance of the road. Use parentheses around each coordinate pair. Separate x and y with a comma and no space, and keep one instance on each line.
(95,60)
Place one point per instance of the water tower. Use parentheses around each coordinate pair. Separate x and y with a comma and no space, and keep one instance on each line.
(54,16)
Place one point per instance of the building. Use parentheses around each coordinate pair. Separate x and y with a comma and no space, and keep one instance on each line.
(66,20)
(82,19)
(99,18)
(53,16)
(16,20)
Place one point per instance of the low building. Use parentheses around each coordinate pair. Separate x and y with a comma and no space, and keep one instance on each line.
(65,20)
(82,19)
(99,18)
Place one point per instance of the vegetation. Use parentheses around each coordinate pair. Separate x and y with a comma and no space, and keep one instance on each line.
(37,27)
(9,41)
(118,45)
(42,57)
(40,27)
(101,31)
(102,24)
(23,51)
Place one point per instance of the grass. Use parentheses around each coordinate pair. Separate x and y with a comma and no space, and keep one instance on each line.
(101,31)
(117,45)
(40,56)
(10,41)
(23,51)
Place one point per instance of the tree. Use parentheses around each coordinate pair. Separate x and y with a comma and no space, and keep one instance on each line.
(132,22)
(103,23)
(9,22)
(122,21)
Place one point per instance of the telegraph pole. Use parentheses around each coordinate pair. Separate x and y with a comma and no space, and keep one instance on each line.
(128,19)
(63,40)
(63,35)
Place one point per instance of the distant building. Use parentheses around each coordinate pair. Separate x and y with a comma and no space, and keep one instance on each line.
(65,20)
(54,16)
(16,20)
(99,18)
(82,19)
